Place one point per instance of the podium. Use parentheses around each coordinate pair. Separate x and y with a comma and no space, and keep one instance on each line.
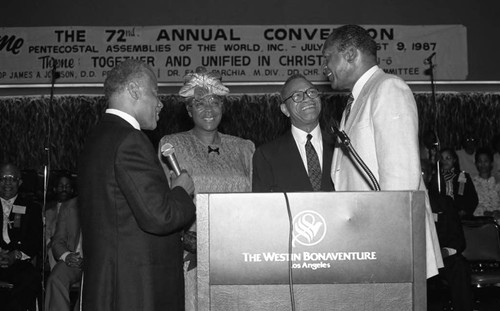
(348,251)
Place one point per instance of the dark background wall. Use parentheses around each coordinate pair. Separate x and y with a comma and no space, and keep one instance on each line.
(479,17)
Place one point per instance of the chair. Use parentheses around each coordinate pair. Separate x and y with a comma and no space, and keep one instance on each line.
(482,250)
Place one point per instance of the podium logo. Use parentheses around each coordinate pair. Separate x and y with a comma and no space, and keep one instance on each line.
(309,228)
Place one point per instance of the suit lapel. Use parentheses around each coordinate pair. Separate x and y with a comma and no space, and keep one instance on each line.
(361,100)
(295,164)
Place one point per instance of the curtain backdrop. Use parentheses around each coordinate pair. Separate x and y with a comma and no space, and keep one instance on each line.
(23,122)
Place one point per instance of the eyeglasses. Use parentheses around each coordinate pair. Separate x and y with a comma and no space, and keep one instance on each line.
(207,102)
(9,178)
(299,96)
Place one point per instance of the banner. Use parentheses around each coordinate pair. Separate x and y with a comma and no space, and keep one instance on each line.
(258,54)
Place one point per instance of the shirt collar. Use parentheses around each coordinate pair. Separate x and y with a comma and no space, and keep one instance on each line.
(8,204)
(358,86)
(125,116)
(301,136)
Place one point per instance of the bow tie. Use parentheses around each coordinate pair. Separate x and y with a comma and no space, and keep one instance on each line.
(210,149)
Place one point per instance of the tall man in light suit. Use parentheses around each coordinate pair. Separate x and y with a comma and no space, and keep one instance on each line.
(131,219)
(282,164)
(381,122)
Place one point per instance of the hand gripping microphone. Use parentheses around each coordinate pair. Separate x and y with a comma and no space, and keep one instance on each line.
(167,150)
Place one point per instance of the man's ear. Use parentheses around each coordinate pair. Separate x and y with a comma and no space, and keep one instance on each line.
(350,54)
(284,109)
(134,90)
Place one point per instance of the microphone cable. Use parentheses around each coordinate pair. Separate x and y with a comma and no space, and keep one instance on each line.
(290,261)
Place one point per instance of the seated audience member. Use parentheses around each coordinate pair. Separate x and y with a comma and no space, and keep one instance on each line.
(21,241)
(454,183)
(63,190)
(66,246)
(466,155)
(456,270)
(429,146)
(488,190)
(217,162)
(495,144)
(300,159)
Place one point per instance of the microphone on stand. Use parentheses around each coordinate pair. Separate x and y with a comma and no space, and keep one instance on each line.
(428,60)
(168,151)
(346,141)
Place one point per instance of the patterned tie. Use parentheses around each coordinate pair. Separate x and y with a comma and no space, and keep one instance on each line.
(348,106)
(313,166)
(6,223)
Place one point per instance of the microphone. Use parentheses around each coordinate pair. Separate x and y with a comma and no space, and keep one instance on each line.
(167,150)
(429,59)
(346,142)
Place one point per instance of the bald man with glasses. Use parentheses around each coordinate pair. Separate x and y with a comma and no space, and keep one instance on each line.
(300,160)
(20,241)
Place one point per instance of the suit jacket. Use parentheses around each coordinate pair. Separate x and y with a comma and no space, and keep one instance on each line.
(26,231)
(67,233)
(277,166)
(131,223)
(383,128)
(466,202)
(448,225)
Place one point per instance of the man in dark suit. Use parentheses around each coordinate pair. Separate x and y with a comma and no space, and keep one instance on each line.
(290,163)
(456,270)
(131,219)
(66,247)
(63,191)
(21,241)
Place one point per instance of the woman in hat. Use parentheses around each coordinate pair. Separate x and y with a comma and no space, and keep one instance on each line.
(217,162)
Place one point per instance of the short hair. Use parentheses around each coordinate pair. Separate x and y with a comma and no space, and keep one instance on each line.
(353,35)
(485,151)
(291,78)
(14,167)
(123,73)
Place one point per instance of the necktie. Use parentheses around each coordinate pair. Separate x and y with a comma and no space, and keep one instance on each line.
(6,222)
(313,166)
(348,106)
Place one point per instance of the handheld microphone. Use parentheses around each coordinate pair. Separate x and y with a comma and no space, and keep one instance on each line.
(167,150)
(428,59)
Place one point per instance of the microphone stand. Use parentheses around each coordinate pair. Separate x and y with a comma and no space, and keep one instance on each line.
(344,139)
(46,174)
(430,72)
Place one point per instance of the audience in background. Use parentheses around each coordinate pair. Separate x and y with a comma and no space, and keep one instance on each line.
(466,155)
(456,270)
(495,144)
(488,190)
(63,191)
(429,146)
(217,162)
(454,183)
(67,249)
(21,241)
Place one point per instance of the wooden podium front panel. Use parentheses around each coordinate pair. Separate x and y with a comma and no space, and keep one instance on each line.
(348,245)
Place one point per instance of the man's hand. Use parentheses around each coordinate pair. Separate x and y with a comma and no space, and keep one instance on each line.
(74,260)
(185,181)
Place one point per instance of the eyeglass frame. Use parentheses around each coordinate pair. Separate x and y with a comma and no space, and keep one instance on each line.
(303,96)
(10,178)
